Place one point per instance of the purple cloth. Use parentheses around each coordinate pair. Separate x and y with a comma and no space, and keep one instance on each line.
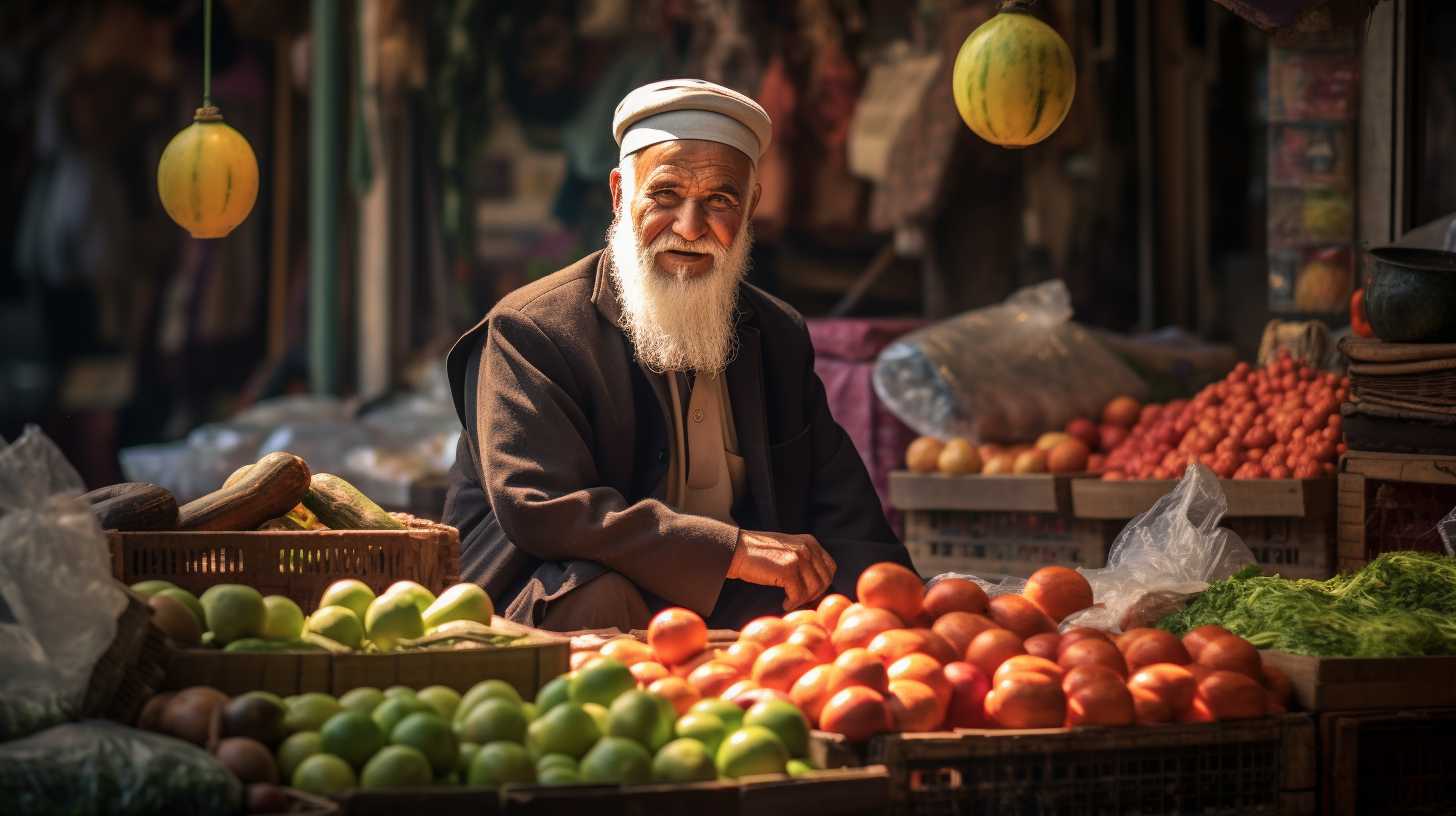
(844,358)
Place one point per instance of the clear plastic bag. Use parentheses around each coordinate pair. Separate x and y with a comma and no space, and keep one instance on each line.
(1004,373)
(55,582)
(1162,558)
(106,769)
(1446,527)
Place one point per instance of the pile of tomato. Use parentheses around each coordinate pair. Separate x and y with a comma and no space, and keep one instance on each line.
(1280,421)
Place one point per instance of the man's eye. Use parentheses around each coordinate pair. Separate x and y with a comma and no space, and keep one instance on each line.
(664,197)
(721,201)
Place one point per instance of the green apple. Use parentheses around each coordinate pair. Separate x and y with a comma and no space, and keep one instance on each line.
(460,602)
(393,617)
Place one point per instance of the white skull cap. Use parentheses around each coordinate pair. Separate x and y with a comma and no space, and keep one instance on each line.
(675,109)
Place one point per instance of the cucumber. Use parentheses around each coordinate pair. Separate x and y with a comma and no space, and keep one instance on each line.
(340,506)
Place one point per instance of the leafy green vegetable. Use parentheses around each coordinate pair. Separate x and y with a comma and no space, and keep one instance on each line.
(1402,603)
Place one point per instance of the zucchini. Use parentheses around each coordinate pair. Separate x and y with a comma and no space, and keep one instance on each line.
(269,488)
(299,518)
(133,506)
(340,506)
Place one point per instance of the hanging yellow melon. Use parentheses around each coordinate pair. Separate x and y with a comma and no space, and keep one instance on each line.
(208,176)
(1014,79)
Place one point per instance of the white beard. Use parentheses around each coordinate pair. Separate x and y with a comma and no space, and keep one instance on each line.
(677,323)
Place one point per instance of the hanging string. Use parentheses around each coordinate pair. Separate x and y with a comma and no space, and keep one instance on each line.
(206,53)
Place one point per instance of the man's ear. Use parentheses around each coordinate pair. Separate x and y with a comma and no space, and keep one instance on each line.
(753,202)
(614,181)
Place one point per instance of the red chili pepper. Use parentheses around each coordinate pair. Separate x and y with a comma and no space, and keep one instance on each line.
(1359,323)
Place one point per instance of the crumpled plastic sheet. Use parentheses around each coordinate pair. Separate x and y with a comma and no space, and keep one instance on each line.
(55,583)
(99,768)
(1174,549)
(1006,372)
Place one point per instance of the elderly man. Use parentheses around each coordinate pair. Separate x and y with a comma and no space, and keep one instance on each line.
(644,428)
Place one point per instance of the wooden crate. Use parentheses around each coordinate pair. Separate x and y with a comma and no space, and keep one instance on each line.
(299,565)
(1124,499)
(1289,524)
(993,543)
(845,792)
(1387,762)
(1231,767)
(1032,493)
(1391,501)
(1355,683)
(527,665)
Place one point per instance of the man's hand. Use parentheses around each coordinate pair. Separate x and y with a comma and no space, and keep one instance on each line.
(794,562)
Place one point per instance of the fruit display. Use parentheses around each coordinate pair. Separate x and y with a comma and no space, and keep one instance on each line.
(1054,452)
(904,658)
(593,726)
(1280,421)
(349,617)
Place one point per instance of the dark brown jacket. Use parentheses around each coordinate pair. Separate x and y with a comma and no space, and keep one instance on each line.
(565,447)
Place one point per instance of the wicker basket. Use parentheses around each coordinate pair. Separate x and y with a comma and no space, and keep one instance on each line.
(299,565)
(131,669)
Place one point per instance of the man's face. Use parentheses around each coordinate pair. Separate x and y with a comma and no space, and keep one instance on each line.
(679,248)
(687,194)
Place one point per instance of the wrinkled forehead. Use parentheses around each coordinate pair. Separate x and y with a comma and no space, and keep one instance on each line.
(693,161)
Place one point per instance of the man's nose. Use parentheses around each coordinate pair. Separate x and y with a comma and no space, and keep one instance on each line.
(691,222)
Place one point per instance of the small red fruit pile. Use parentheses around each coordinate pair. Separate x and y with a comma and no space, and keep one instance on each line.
(1278,422)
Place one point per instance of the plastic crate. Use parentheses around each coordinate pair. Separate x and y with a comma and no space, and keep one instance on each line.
(1215,768)
(1002,543)
(299,565)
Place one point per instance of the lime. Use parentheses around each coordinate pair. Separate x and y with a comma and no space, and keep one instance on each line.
(352,736)
(600,714)
(530,710)
(282,619)
(683,760)
(486,690)
(565,729)
(494,720)
(466,756)
(233,611)
(799,767)
(428,732)
(730,714)
(553,693)
(296,749)
(703,727)
(324,775)
(269,696)
(785,720)
(188,600)
(350,593)
(364,698)
(616,760)
(637,715)
(147,589)
(601,682)
(501,763)
(556,761)
(394,709)
(751,750)
(557,775)
(400,691)
(338,624)
(397,766)
(309,712)
(441,698)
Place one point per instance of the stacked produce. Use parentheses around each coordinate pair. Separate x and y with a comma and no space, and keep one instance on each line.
(1075,450)
(904,659)
(590,727)
(237,618)
(1400,604)
(1281,421)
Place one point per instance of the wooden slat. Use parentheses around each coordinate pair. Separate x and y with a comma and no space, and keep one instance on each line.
(1353,683)
(1098,499)
(1033,493)
(1401,467)
(1298,763)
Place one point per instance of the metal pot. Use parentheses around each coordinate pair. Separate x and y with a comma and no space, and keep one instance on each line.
(1412,295)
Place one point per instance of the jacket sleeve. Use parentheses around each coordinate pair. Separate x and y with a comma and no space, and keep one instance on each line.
(844,510)
(540,475)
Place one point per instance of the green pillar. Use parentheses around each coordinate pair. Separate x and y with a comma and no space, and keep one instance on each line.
(325,157)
